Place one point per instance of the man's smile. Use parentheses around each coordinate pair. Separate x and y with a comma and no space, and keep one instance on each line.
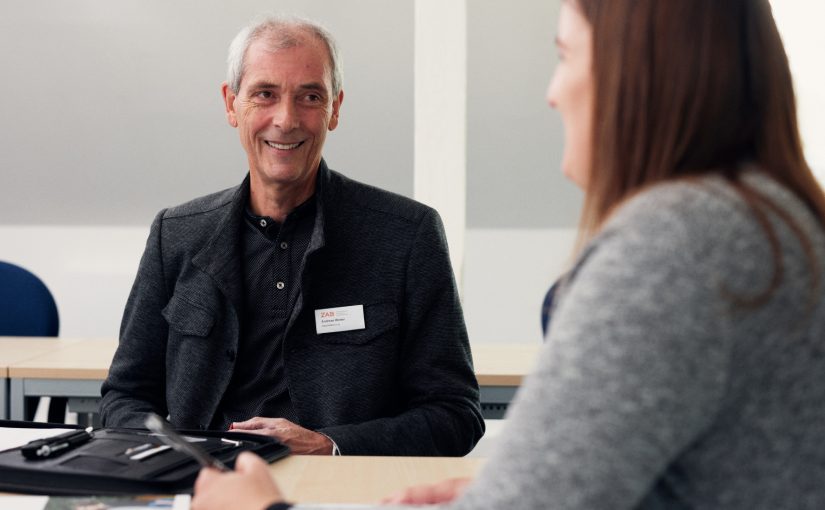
(284,146)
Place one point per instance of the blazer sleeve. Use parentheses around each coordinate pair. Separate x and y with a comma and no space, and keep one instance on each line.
(442,414)
(136,381)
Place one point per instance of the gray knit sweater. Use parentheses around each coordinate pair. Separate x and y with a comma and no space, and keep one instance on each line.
(654,390)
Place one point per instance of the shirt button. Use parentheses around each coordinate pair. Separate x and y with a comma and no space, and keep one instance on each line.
(284,245)
(263,222)
(280,285)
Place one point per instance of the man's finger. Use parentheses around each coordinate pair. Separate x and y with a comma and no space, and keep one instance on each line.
(250,424)
(261,432)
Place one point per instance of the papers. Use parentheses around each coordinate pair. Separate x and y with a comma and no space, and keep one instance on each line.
(24,502)
(179,502)
(13,437)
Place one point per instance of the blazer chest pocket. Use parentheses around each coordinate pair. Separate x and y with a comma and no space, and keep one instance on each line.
(379,319)
(187,318)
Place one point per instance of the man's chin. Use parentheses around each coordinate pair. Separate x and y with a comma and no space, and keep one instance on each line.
(283,175)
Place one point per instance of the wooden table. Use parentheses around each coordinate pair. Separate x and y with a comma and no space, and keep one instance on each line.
(72,368)
(75,368)
(313,479)
(339,480)
(504,364)
(15,350)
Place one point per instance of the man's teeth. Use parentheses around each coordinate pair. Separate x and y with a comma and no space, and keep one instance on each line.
(283,146)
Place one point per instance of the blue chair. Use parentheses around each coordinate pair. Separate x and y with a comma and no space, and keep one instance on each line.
(27,308)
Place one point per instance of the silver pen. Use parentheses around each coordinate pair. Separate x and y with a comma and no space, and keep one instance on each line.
(166,434)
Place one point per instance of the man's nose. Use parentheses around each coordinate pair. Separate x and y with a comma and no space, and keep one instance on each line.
(286,116)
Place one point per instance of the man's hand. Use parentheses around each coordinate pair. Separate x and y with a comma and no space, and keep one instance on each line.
(300,440)
(249,486)
(441,492)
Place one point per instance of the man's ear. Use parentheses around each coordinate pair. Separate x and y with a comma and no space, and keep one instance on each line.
(229,102)
(336,109)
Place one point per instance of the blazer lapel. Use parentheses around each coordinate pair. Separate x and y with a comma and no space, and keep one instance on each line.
(316,244)
(220,258)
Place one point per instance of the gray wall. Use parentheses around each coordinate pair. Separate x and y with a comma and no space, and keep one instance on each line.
(112,109)
(514,140)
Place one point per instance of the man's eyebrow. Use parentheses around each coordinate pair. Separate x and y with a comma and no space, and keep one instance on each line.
(318,87)
(263,85)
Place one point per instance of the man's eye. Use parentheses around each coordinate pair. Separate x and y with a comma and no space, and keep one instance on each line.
(313,98)
(264,94)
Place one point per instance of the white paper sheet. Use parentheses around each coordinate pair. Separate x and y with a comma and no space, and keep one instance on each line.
(13,437)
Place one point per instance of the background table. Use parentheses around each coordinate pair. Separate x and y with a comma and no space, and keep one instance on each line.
(20,349)
(500,369)
(75,368)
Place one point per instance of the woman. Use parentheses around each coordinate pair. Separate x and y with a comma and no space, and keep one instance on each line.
(683,365)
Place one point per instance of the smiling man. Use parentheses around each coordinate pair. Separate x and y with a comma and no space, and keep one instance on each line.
(301,304)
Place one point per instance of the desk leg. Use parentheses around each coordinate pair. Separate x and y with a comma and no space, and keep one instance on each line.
(17,400)
(4,399)
(87,390)
(495,400)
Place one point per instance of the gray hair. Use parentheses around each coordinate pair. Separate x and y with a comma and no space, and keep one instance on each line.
(283,32)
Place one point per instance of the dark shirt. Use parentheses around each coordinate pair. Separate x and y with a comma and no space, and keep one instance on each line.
(273,259)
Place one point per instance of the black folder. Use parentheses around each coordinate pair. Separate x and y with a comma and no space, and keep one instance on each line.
(103,466)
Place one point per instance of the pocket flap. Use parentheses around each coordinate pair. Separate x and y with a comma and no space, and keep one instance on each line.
(187,318)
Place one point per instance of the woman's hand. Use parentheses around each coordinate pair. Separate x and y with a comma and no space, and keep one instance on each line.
(441,492)
(249,486)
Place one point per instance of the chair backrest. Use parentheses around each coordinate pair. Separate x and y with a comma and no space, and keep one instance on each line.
(27,308)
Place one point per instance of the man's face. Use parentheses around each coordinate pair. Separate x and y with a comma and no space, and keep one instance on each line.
(283,110)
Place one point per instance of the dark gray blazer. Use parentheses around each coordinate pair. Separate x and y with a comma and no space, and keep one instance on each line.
(402,386)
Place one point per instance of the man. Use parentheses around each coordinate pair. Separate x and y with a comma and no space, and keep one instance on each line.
(301,304)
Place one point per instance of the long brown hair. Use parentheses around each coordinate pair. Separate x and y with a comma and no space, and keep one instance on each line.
(688,88)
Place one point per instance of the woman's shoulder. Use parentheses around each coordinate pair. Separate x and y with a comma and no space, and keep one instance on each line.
(689,215)
(711,208)
(707,226)
(682,202)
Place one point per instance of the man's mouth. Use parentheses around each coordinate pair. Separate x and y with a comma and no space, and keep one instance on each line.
(284,146)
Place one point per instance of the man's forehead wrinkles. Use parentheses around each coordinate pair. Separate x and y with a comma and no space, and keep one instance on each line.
(265,84)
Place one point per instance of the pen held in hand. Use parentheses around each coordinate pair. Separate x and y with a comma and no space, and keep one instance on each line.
(166,434)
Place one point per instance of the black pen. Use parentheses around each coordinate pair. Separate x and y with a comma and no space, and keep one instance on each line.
(53,446)
(166,434)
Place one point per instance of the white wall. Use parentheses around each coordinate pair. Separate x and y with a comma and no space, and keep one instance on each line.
(112,110)
(103,128)
(441,117)
(798,22)
(506,275)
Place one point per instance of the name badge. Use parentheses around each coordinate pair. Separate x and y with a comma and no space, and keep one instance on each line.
(344,318)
